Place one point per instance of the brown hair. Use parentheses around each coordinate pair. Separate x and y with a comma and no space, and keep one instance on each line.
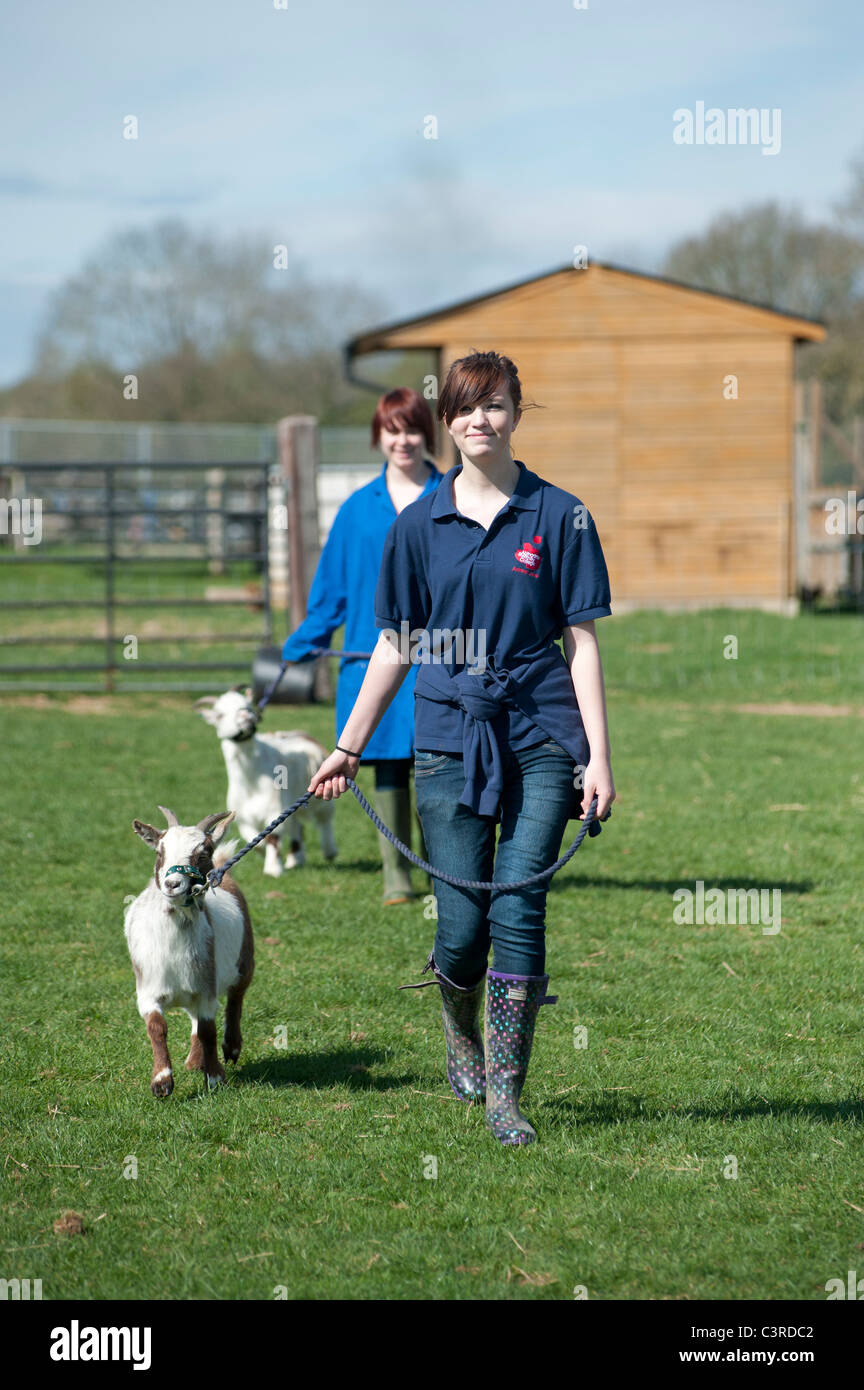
(471,379)
(403,406)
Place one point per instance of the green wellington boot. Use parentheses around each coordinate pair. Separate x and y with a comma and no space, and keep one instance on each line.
(393,805)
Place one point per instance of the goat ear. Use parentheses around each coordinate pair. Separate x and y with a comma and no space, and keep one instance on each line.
(215,826)
(149,834)
(204,702)
(248,692)
(206,710)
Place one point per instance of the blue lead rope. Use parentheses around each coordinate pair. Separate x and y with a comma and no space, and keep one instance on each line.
(590,823)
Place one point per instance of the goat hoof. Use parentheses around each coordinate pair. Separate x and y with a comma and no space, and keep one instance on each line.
(162,1086)
(215,1079)
(231,1053)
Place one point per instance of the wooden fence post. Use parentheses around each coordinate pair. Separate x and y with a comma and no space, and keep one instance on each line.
(298,450)
(214,527)
(277,542)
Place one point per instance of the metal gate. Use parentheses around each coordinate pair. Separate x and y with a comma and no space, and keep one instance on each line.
(155,559)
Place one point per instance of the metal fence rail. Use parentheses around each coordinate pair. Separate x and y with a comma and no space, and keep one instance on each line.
(111,499)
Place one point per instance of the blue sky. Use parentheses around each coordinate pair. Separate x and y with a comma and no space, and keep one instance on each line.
(306,125)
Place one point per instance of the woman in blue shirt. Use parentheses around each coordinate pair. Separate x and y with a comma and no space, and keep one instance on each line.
(477,583)
(343,590)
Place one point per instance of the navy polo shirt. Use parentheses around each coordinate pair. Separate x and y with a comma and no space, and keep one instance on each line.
(538,569)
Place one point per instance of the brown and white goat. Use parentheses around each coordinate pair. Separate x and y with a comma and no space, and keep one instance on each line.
(266,774)
(188,951)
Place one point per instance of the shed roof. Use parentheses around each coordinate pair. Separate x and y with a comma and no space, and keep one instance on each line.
(598,301)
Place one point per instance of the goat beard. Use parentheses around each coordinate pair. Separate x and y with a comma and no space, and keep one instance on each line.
(185,903)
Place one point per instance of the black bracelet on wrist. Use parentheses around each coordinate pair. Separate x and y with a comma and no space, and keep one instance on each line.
(350,754)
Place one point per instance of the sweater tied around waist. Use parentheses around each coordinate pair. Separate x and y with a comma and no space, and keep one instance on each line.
(543,691)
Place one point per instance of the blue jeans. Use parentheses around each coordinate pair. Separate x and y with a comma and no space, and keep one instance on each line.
(536,803)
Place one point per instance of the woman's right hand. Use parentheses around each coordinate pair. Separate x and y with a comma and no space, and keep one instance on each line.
(329,780)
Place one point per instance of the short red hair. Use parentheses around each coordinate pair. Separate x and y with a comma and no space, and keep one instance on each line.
(403,408)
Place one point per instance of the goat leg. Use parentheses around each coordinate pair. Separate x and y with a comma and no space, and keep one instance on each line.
(296,856)
(195,1060)
(213,1069)
(272,865)
(232,1040)
(162,1081)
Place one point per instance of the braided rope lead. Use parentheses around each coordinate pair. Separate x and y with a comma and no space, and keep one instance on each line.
(215,875)
(271,689)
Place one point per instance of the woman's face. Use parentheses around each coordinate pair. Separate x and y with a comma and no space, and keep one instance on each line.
(403,445)
(482,431)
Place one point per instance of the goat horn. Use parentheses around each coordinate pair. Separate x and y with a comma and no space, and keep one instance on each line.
(169,816)
(208,822)
(204,702)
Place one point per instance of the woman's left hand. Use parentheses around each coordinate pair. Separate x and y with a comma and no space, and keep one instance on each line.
(598,779)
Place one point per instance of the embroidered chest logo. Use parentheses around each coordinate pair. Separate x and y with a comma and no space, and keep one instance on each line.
(529,556)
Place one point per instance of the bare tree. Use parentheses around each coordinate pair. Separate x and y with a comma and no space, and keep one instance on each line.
(851,208)
(770,255)
(212,329)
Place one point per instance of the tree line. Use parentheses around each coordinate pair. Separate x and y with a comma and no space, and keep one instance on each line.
(218,329)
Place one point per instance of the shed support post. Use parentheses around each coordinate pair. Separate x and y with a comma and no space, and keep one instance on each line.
(803,487)
(857,557)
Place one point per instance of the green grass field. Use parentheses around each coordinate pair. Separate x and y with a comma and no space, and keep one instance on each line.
(704,1043)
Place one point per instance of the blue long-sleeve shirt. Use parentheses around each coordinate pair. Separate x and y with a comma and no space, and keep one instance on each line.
(343,591)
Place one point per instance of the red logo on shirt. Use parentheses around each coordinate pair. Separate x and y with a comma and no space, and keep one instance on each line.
(529,557)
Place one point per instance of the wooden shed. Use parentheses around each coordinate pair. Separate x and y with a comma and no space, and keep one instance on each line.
(669,410)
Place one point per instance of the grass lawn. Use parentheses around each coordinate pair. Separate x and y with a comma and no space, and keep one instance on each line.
(705,1044)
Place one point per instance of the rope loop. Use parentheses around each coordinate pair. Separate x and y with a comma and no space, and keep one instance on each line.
(215,875)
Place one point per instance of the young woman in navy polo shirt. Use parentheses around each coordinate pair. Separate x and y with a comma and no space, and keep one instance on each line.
(478,581)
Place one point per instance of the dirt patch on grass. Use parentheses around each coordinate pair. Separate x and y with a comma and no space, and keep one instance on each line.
(69,1223)
(96,704)
(775,709)
(807,711)
(70,704)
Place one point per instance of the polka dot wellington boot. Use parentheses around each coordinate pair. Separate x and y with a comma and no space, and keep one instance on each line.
(460,1011)
(512,1004)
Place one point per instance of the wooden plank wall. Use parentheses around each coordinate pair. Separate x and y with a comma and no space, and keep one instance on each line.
(691,492)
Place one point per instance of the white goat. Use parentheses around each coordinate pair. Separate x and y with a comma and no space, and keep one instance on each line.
(266,773)
(187,951)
